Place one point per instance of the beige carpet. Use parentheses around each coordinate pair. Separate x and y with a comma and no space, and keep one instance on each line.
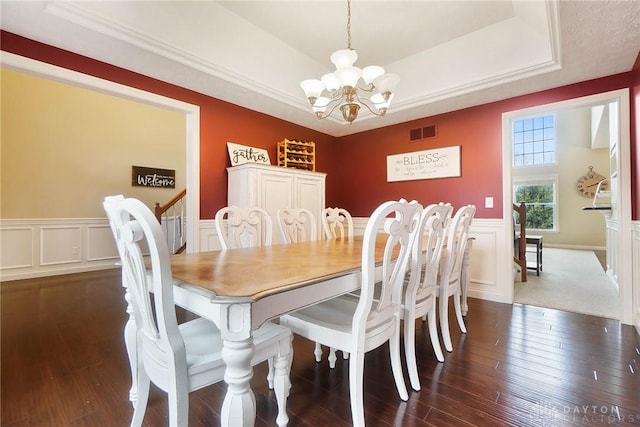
(571,280)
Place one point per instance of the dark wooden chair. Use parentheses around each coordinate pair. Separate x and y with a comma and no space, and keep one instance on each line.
(520,239)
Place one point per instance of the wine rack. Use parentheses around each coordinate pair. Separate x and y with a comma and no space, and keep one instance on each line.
(297,154)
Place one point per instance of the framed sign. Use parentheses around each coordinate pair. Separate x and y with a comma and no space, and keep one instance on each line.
(153,177)
(427,164)
(239,154)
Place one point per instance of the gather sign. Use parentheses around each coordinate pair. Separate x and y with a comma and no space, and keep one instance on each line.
(240,154)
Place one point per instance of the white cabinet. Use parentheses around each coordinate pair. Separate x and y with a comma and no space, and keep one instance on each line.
(273,187)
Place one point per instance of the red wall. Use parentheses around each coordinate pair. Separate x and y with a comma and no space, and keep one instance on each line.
(356,164)
(360,159)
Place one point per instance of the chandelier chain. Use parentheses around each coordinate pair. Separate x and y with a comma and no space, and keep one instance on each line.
(349,24)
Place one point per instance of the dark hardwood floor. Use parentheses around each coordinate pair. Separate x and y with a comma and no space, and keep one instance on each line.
(64,364)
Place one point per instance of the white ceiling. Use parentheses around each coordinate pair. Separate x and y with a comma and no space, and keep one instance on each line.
(449,54)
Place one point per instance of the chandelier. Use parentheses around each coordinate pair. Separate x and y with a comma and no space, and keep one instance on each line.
(349,87)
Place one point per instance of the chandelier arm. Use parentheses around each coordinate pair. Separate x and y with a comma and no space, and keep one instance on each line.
(321,115)
(369,88)
(336,95)
(366,102)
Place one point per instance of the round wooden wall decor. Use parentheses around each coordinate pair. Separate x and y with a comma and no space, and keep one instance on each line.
(588,183)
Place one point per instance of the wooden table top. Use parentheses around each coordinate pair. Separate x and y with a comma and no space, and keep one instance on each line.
(255,273)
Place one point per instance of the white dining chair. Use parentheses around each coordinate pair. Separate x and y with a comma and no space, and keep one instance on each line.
(449,282)
(297,225)
(359,325)
(181,358)
(130,326)
(243,227)
(421,285)
(337,223)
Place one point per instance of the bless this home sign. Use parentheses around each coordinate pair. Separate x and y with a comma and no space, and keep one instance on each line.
(427,164)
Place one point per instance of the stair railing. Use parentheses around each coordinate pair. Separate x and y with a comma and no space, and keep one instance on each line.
(172,217)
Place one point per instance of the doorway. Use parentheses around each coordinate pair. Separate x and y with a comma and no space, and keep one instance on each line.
(191,112)
(618,241)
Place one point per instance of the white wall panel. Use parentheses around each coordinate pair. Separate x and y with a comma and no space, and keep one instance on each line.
(60,244)
(16,247)
(483,267)
(100,243)
(208,236)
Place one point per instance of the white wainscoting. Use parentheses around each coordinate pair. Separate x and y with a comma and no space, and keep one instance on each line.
(47,247)
(209,240)
(635,227)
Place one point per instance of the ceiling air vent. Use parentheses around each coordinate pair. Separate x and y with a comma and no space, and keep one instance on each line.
(422,133)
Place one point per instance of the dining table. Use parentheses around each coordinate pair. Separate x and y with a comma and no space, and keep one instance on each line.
(240,289)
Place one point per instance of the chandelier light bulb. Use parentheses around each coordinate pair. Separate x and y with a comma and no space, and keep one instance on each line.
(370,73)
(344,58)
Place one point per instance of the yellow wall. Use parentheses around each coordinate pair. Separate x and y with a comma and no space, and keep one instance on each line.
(63,148)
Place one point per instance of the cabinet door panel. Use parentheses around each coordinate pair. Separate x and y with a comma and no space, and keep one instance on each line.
(273,188)
(276,192)
(310,195)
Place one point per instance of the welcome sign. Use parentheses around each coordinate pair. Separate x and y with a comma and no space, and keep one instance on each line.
(153,177)
(427,164)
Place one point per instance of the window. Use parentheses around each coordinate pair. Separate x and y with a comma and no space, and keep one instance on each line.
(539,195)
(534,141)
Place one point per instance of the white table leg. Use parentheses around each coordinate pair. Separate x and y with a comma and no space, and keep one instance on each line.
(239,405)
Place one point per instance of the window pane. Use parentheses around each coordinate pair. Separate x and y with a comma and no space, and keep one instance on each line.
(517,138)
(538,159)
(518,126)
(528,136)
(538,122)
(548,133)
(540,201)
(539,217)
(528,148)
(527,124)
(538,147)
(538,136)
